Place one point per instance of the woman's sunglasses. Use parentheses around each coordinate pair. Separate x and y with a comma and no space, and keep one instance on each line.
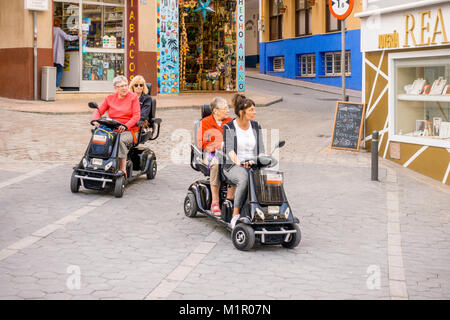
(138,85)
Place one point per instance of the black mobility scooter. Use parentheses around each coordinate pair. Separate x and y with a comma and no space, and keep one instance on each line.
(266,216)
(99,170)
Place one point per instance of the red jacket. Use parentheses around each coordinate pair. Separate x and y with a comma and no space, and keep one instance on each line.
(126,110)
(210,135)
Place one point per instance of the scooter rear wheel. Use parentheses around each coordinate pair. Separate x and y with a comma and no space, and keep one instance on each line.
(243,237)
(152,169)
(190,205)
(294,239)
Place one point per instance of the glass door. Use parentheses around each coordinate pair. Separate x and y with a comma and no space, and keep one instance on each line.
(102,53)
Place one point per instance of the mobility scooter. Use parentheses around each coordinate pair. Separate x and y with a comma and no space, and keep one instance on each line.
(98,169)
(265,217)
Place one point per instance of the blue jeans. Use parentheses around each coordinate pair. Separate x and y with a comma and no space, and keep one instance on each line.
(59,72)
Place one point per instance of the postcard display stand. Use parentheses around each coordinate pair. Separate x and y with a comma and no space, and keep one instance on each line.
(207,45)
(423,98)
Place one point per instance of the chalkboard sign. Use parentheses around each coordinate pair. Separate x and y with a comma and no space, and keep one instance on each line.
(348,125)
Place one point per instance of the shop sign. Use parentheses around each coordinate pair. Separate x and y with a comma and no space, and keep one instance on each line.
(37,5)
(132,38)
(419,28)
(389,40)
(241,46)
(341,9)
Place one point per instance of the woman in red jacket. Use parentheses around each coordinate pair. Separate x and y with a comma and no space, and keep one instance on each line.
(209,138)
(124,107)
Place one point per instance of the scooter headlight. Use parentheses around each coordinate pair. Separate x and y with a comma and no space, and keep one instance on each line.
(85,163)
(260,213)
(287,213)
(108,165)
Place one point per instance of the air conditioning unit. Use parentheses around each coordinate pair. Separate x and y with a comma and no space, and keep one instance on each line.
(278,64)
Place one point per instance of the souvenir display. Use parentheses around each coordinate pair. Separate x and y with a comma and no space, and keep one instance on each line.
(416,87)
(444,130)
(427,89)
(436,126)
(207,45)
(438,86)
(446,90)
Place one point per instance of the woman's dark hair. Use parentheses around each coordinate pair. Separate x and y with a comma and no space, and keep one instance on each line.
(237,99)
(243,105)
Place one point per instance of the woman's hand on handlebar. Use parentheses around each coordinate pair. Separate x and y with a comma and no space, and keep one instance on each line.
(247,164)
(95,123)
(121,129)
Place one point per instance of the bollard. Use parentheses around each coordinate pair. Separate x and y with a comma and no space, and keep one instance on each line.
(375,156)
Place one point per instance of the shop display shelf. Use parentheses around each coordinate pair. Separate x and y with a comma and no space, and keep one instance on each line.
(425,98)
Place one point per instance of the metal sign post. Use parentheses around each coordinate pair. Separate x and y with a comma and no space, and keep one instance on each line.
(341,9)
(343,56)
(35,5)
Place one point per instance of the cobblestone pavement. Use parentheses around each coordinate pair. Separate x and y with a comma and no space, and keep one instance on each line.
(360,239)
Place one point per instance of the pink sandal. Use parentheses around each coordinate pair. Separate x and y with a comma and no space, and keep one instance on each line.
(215,209)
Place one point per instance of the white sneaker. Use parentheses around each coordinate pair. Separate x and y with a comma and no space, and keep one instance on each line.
(233,221)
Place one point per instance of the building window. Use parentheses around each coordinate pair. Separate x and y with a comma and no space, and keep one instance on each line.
(276,21)
(333,24)
(420,112)
(278,64)
(307,64)
(303,18)
(333,64)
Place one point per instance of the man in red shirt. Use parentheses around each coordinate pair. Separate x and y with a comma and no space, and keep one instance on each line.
(122,106)
(210,138)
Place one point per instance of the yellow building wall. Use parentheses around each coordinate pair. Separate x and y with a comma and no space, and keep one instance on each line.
(147,26)
(16,26)
(433,161)
(319,14)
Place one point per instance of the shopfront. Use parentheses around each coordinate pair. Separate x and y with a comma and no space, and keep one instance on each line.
(407,84)
(92,64)
(201,45)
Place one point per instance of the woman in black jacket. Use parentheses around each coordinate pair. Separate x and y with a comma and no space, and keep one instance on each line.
(138,86)
(243,141)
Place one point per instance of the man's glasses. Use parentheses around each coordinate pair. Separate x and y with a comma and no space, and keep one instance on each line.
(122,86)
(138,85)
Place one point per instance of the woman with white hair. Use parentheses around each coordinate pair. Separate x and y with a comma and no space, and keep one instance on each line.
(210,139)
(122,106)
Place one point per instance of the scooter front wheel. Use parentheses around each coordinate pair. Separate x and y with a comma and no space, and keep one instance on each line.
(243,237)
(294,239)
(119,187)
(74,183)
(190,205)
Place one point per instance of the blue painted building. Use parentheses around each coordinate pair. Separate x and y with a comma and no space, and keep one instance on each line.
(304,43)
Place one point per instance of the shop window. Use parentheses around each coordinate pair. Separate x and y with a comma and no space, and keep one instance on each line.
(207,49)
(276,20)
(307,65)
(102,66)
(333,64)
(332,24)
(422,100)
(105,26)
(303,18)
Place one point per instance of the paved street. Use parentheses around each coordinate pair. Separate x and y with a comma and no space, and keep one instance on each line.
(360,239)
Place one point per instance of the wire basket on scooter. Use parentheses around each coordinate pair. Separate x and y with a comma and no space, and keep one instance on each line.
(269,187)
